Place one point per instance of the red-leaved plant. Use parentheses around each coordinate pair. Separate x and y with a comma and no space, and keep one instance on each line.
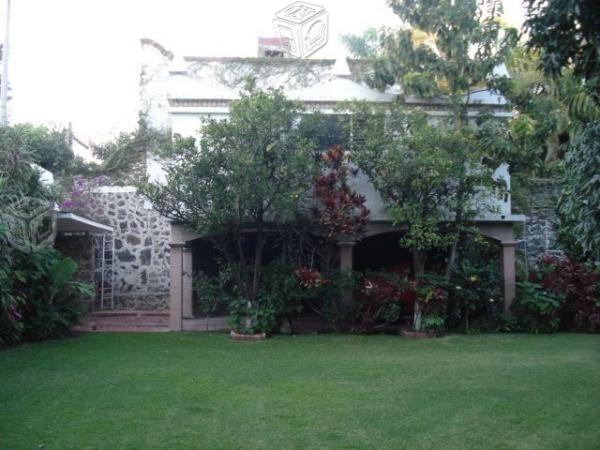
(309,278)
(579,284)
(341,209)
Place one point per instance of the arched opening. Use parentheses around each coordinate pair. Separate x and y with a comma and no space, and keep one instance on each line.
(382,252)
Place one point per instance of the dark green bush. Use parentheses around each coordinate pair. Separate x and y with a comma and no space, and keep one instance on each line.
(38,297)
(536,310)
(54,302)
(475,300)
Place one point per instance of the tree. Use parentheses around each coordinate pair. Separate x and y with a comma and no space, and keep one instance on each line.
(579,204)
(365,46)
(250,173)
(430,176)
(18,175)
(447,48)
(567,35)
(50,148)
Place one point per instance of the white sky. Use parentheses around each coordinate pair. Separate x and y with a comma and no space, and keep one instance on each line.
(78,60)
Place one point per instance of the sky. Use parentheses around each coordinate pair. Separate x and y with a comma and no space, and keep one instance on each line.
(78,61)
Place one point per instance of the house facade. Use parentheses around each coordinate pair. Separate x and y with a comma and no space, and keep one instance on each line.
(179,92)
(152,259)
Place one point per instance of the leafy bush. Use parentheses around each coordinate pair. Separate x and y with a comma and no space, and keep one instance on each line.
(475,295)
(579,284)
(379,299)
(432,298)
(213,294)
(54,302)
(536,310)
(11,326)
(433,323)
(38,297)
(249,317)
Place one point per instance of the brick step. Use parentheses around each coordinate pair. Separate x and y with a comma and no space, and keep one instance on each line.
(120,327)
(125,321)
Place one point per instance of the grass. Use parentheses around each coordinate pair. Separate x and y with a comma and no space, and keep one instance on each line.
(203,391)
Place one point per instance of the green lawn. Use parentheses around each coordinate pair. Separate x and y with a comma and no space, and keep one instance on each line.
(204,391)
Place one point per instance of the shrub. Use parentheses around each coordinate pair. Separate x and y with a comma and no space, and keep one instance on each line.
(11,326)
(213,294)
(433,323)
(248,317)
(379,299)
(474,295)
(536,310)
(54,301)
(432,297)
(579,284)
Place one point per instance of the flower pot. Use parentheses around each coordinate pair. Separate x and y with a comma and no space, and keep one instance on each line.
(247,337)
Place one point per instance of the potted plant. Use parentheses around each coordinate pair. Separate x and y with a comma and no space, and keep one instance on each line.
(250,320)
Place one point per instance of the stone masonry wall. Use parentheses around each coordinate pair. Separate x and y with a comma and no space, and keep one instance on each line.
(141,260)
(81,250)
(540,231)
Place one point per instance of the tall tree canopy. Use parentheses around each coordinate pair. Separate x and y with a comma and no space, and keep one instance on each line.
(447,48)
(250,172)
(567,35)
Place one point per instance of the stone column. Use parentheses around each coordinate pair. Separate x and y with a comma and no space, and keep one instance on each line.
(507,261)
(187,287)
(176,290)
(347,265)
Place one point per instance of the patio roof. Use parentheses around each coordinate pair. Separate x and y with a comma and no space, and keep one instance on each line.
(67,222)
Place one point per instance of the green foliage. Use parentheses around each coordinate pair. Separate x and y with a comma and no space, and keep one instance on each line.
(365,46)
(475,295)
(11,326)
(579,203)
(430,176)
(447,48)
(567,35)
(248,317)
(251,171)
(128,152)
(213,293)
(18,175)
(434,323)
(535,309)
(38,297)
(50,148)
(53,301)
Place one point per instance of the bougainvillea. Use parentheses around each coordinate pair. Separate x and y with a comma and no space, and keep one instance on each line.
(79,193)
(341,209)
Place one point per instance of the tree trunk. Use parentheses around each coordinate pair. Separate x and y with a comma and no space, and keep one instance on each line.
(258,257)
(451,259)
(419,269)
